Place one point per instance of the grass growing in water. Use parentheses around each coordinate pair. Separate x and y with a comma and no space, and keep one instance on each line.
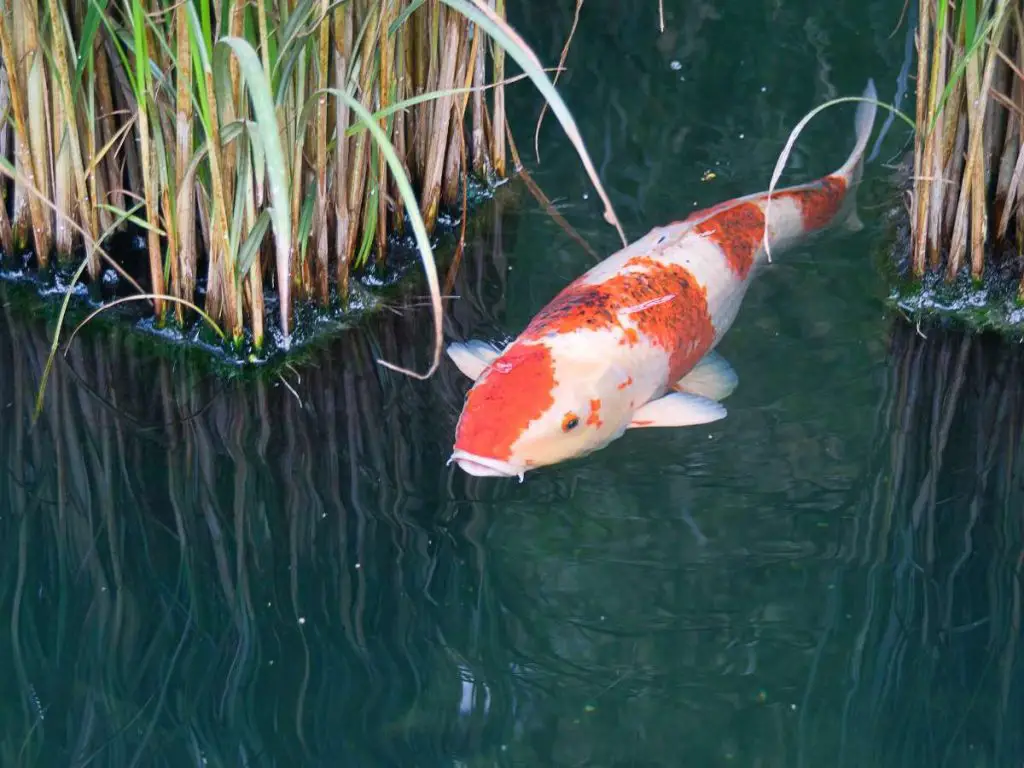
(256,145)
(969,145)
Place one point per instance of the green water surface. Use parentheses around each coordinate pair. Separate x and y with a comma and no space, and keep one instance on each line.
(196,572)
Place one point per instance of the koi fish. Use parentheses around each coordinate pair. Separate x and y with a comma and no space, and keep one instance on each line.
(630,343)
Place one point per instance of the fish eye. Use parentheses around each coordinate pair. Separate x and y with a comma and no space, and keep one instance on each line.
(570,422)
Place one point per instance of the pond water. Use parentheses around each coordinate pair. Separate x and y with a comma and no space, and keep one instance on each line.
(201,572)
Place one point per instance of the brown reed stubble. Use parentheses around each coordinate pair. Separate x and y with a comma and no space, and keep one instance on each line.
(967,196)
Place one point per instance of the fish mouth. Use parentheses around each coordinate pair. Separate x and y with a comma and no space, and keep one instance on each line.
(481,466)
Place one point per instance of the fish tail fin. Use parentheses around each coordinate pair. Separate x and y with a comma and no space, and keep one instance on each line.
(851,170)
(863,123)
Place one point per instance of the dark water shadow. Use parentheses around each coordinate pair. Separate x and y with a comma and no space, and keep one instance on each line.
(287,572)
(919,661)
(201,571)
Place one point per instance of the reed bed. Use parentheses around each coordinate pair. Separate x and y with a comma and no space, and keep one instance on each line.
(926,600)
(968,173)
(264,150)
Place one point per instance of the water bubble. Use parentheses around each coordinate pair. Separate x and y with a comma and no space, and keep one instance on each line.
(676,65)
(764,89)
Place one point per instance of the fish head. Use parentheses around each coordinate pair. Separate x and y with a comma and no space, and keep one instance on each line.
(535,406)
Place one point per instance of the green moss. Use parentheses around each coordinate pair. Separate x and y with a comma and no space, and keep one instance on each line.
(986,304)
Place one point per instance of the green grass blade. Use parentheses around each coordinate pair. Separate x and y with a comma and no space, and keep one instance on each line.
(784,155)
(405,14)
(420,98)
(251,247)
(277,176)
(306,215)
(970,20)
(90,26)
(516,47)
(961,66)
(418,227)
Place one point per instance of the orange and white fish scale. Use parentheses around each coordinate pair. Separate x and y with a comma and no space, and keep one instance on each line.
(628,331)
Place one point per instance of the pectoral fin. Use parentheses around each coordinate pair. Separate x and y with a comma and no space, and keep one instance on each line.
(712,377)
(677,409)
(472,357)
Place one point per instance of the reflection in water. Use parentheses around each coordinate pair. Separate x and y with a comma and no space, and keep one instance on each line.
(235,574)
(256,574)
(924,620)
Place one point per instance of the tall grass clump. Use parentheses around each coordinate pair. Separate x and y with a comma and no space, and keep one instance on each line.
(264,150)
(968,199)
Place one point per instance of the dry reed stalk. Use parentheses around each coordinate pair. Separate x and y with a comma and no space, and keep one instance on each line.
(387,83)
(147,151)
(66,132)
(30,59)
(360,161)
(1009,157)
(975,187)
(455,156)
(106,130)
(320,236)
(63,194)
(28,209)
(479,138)
(343,219)
(440,123)
(88,123)
(968,154)
(400,137)
(498,135)
(182,246)
(6,233)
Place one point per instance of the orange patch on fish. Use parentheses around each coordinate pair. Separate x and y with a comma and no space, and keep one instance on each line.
(516,390)
(665,302)
(819,203)
(629,336)
(626,383)
(594,420)
(738,231)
